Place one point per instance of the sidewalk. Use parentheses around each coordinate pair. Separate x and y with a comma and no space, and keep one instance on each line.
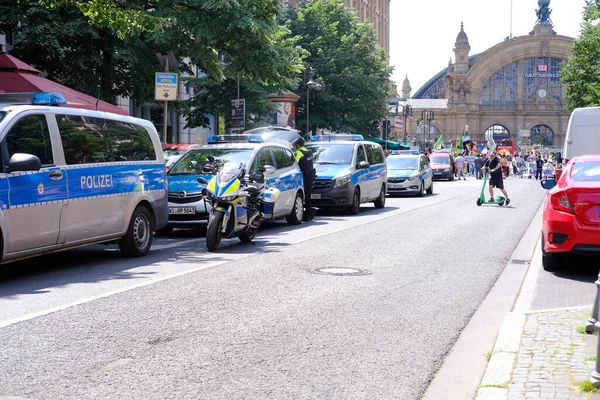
(542,350)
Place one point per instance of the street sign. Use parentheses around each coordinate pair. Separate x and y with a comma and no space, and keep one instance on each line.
(238,114)
(165,86)
(398,123)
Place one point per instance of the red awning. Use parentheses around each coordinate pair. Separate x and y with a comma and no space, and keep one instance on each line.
(19,77)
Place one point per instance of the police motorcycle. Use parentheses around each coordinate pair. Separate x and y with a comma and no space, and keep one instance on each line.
(239,203)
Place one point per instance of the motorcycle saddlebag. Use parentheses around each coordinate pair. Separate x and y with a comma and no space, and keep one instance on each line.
(268,203)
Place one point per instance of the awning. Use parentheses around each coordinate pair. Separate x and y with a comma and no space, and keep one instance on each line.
(19,77)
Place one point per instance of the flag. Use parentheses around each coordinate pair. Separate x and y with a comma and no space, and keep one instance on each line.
(490,141)
(439,144)
(474,150)
(458,144)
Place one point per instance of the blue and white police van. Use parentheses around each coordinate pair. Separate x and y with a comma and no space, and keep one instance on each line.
(350,171)
(409,172)
(72,177)
(188,208)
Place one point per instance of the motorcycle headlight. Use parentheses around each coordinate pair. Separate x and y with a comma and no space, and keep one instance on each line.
(227,198)
(339,182)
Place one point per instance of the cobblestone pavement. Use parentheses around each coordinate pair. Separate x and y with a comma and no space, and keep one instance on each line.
(554,357)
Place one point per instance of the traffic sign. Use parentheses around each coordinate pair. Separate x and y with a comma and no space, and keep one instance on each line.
(238,113)
(166,86)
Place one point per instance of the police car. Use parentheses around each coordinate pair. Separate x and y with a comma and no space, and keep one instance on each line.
(350,171)
(72,177)
(409,172)
(187,208)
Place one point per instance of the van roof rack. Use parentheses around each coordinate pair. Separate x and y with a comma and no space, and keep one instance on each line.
(33,98)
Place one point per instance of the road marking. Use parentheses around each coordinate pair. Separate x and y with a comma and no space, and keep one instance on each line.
(52,310)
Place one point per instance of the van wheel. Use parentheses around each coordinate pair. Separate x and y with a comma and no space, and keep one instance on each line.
(295,218)
(355,207)
(138,239)
(380,202)
(430,189)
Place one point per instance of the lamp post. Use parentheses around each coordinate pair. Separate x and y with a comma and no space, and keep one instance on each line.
(310,73)
(428,116)
(403,110)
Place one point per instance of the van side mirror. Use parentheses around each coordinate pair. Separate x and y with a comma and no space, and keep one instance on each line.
(24,162)
(548,183)
(363,165)
(269,169)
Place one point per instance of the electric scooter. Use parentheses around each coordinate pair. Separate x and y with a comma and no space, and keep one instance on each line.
(499,200)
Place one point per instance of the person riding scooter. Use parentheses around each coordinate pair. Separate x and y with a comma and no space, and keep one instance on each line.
(494,166)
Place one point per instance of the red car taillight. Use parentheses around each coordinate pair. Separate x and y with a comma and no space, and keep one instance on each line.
(560,202)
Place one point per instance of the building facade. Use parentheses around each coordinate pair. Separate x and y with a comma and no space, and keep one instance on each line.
(512,89)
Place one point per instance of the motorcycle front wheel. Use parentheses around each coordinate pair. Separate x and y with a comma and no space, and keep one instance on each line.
(214,233)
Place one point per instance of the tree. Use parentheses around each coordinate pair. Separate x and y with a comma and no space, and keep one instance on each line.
(581,72)
(354,73)
(62,43)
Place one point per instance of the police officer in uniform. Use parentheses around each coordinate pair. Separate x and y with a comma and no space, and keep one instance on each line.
(304,157)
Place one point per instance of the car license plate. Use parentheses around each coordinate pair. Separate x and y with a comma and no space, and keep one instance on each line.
(182,210)
(315,196)
(437,173)
(394,186)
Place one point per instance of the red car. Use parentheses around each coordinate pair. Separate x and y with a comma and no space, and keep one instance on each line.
(571,219)
(442,164)
(173,152)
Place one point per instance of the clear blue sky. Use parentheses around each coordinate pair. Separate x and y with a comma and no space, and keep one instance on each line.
(422,33)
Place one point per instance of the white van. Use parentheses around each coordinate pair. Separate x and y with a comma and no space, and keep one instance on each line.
(583,133)
(72,177)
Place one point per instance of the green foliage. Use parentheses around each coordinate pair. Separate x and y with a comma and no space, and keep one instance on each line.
(61,43)
(355,76)
(580,329)
(582,70)
(123,18)
(587,387)
(488,355)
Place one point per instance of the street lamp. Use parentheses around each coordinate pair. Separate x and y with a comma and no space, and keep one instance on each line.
(403,110)
(310,84)
(429,117)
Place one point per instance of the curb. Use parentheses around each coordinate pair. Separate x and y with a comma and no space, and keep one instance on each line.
(464,367)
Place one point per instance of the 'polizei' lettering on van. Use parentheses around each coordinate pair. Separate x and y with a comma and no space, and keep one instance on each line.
(96,181)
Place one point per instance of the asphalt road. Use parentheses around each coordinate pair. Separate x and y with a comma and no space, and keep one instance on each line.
(257,321)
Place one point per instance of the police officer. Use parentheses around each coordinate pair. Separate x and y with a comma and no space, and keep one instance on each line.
(304,157)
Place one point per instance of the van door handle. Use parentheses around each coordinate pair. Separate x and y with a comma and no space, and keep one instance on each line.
(56,174)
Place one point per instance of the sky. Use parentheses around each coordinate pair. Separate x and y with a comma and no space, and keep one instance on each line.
(423,32)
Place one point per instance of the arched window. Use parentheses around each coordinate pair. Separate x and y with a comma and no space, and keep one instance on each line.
(542,135)
(541,72)
(499,132)
(501,88)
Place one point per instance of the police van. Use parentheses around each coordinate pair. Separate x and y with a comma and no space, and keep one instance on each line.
(350,171)
(72,177)
(188,208)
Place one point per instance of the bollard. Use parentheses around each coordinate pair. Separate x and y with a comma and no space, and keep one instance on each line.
(591,322)
(591,325)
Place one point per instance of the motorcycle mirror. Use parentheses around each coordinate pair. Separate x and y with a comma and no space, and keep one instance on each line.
(211,159)
(202,180)
(262,169)
(208,169)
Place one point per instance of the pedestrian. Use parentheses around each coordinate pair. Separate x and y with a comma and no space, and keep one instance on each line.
(460,166)
(478,162)
(518,165)
(539,165)
(304,157)
(494,166)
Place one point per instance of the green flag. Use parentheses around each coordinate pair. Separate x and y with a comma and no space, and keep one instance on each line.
(439,143)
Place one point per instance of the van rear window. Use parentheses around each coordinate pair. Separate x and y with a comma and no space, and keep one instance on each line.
(96,140)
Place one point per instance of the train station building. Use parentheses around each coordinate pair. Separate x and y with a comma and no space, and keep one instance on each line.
(512,89)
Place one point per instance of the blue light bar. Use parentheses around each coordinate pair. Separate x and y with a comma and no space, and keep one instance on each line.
(235,139)
(398,152)
(335,137)
(35,98)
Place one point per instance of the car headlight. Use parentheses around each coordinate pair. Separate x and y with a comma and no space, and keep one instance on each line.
(339,182)
(413,178)
(447,170)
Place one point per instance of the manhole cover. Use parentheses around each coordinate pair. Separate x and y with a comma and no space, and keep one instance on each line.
(341,271)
